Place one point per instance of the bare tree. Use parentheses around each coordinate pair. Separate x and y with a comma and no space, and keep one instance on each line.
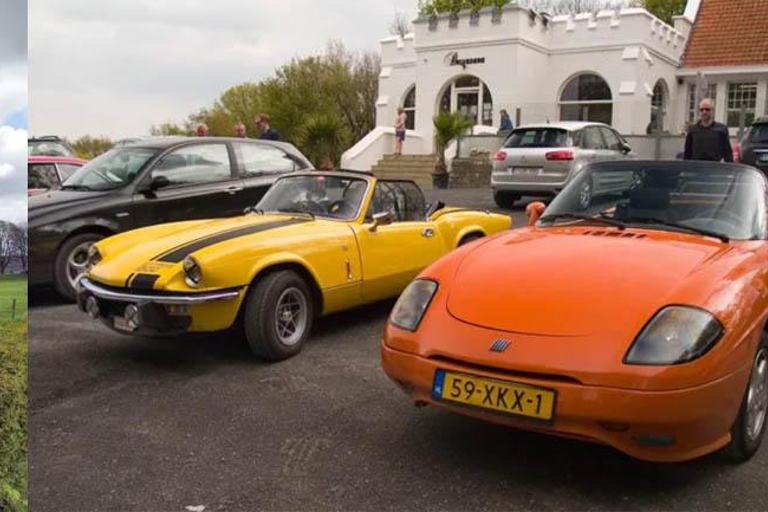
(13,246)
(555,7)
(400,26)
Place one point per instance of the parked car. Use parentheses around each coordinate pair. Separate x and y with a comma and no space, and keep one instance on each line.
(160,180)
(541,159)
(317,243)
(49,145)
(639,320)
(48,172)
(754,145)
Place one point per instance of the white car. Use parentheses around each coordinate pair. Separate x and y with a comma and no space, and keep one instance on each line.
(540,159)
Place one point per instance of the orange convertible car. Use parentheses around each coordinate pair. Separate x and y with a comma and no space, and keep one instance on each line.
(633,313)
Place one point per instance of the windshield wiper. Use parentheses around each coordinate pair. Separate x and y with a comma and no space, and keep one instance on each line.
(691,229)
(294,210)
(580,216)
(75,187)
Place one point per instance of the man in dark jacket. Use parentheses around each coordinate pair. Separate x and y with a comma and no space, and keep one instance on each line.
(267,132)
(707,139)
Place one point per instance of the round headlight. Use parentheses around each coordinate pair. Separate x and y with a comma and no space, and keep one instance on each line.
(94,256)
(675,335)
(193,273)
(412,304)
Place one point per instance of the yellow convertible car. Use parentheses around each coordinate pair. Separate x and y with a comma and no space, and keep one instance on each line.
(318,242)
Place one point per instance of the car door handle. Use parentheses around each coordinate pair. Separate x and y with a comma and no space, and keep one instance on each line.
(428,233)
(234,189)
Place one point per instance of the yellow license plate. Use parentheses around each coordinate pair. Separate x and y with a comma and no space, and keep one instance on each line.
(495,395)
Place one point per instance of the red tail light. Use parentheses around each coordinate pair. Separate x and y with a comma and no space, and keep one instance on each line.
(559,155)
(737,152)
(500,156)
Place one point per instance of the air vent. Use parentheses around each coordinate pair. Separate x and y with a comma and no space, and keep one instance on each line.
(614,234)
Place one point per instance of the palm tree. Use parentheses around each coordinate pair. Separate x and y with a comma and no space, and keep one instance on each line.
(448,126)
(321,138)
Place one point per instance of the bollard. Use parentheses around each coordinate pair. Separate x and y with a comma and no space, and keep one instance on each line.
(13,310)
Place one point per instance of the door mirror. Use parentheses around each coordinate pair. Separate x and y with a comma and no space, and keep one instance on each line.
(625,148)
(155,183)
(534,211)
(382,219)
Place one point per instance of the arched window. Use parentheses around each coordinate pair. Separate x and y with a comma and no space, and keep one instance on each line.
(409,104)
(586,97)
(470,96)
(658,107)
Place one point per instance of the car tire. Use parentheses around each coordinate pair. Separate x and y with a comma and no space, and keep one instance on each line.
(470,238)
(505,200)
(70,262)
(749,428)
(270,333)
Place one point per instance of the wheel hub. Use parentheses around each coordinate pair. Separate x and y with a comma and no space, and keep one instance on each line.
(757,396)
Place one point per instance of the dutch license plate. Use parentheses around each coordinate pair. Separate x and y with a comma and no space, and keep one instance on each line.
(527,171)
(495,395)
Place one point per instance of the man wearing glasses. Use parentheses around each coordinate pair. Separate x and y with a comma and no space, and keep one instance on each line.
(707,139)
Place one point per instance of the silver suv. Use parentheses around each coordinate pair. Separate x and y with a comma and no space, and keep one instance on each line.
(540,159)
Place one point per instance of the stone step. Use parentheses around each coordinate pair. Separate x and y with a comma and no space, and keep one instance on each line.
(406,157)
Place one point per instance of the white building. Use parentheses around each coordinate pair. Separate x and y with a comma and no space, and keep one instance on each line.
(624,68)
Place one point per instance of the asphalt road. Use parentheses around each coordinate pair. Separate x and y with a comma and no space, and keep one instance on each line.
(125,424)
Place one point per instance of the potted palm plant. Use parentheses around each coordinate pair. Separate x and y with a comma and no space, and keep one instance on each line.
(448,126)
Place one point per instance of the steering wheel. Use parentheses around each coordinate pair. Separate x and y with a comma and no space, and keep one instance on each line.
(310,206)
(339,207)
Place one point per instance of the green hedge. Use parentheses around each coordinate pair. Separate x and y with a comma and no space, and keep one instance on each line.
(13,416)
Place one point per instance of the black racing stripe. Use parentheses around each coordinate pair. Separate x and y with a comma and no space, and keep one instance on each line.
(178,255)
(144,281)
(128,281)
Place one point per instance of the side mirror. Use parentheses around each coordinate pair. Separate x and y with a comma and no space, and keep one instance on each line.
(625,148)
(382,219)
(534,211)
(156,183)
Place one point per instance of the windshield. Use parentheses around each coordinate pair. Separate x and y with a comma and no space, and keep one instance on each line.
(48,148)
(111,170)
(758,134)
(719,200)
(334,197)
(537,138)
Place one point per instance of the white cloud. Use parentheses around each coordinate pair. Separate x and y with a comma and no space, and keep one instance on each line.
(115,68)
(13,174)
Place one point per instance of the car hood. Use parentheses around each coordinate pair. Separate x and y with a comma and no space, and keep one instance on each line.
(54,201)
(576,282)
(219,244)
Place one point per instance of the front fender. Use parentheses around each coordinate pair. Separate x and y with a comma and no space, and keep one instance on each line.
(283,258)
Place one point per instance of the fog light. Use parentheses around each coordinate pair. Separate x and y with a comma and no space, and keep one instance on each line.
(131,315)
(655,440)
(92,307)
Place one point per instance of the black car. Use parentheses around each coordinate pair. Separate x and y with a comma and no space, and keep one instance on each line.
(151,182)
(49,145)
(754,145)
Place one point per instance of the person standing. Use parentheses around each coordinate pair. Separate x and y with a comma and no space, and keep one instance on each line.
(267,132)
(707,139)
(505,125)
(402,117)
(240,130)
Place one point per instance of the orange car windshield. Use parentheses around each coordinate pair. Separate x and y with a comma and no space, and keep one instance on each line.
(722,199)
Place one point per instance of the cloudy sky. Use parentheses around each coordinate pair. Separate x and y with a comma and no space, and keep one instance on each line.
(13,111)
(116,67)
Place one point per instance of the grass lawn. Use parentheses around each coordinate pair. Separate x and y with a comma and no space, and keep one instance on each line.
(13,416)
(13,288)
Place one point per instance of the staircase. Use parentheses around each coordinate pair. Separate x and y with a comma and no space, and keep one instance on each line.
(418,168)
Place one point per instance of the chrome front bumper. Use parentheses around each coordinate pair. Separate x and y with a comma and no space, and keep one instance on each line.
(85,285)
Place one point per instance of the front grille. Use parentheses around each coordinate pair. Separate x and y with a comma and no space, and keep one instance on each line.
(505,372)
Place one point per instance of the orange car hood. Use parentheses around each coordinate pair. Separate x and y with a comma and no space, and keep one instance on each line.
(569,282)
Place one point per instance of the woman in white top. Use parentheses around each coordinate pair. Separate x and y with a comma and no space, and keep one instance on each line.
(400,130)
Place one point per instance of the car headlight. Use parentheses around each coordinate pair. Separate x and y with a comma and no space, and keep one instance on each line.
(193,273)
(94,257)
(675,335)
(412,304)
